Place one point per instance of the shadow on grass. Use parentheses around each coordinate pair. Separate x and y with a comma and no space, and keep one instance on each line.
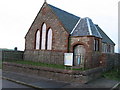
(113,74)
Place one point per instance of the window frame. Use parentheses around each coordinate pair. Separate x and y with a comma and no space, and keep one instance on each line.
(43,43)
(96,45)
(35,47)
(48,38)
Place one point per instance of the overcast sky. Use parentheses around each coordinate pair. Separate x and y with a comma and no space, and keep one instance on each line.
(16,16)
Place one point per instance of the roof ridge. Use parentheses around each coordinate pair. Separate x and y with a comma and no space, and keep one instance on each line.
(76,25)
(88,23)
(97,30)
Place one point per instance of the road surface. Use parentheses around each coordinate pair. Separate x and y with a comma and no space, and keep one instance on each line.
(10,84)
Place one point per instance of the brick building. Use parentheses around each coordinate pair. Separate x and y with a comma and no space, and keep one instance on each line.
(55,32)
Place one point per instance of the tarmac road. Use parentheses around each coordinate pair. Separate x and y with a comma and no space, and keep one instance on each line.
(10,84)
(41,82)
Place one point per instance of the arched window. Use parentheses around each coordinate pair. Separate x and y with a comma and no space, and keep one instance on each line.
(49,39)
(37,40)
(43,42)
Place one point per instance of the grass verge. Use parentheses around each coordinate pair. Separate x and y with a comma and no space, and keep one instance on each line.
(113,74)
(44,64)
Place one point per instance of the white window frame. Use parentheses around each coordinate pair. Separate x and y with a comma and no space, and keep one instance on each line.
(37,43)
(43,41)
(49,39)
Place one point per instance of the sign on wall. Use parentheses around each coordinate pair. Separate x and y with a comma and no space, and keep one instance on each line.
(68,59)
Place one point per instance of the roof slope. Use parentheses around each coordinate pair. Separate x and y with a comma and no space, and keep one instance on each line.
(81,29)
(94,30)
(105,38)
(85,27)
(77,26)
(67,19)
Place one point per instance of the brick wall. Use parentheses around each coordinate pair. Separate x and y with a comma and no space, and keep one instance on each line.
(96,59)
(12,55)
(44,56)
(85,41)
(92,58)
(117,60)
(110,60)
(59,38)
(60,35)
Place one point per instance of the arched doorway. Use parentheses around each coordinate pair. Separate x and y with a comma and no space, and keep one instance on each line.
(79,55)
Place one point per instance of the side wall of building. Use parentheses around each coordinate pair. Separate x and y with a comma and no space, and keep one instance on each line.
(108,48)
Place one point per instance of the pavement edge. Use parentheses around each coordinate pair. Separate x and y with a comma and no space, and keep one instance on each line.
(115,86)
(23,83)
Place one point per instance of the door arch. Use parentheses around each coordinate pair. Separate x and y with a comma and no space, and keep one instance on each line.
(79,55)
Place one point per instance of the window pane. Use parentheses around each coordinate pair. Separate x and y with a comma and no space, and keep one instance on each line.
(38,39)
(94,45)
(49,40)
(43,36)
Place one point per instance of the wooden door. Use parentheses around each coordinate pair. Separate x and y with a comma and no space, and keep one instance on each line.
(79,55)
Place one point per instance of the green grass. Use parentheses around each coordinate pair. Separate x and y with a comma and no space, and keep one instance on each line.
(113,74)
(44,64)
(81,69)
(36,63)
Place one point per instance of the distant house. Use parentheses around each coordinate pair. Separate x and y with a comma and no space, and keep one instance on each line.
(55,32)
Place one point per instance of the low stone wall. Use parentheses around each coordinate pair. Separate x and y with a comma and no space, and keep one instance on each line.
(44,56)
(110,60)
(0,54)
(96,59)
(117,60)
(11,55)
(55,74)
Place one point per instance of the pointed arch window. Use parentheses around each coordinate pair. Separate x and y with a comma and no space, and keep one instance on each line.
(49,39)
(43,38)
(37,45)
(43,42)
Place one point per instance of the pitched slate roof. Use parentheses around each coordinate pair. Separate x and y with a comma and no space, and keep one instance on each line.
(85,27)
(77,26)
(68,20)
(105,38)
